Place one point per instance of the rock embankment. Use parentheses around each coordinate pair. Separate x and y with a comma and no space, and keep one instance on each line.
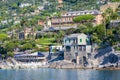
(69,65)
(64,65)
(12,64)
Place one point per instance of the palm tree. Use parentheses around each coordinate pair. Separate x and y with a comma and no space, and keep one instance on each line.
(107,17)
(59,17)
(109,12)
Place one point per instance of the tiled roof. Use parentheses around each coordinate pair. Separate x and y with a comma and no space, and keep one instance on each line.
(75,35)
(94,12)
(58,28)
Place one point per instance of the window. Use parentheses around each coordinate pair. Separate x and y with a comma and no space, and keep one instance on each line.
(65,41)
(69,40)
(74,41)
(74,47)
(87,40)
(68,49)
(80,48)
(80,40)
(84,48)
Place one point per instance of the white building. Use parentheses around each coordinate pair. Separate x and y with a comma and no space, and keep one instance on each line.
(77,47)
(4,22)
(17,22)
(40,7)
(25,5)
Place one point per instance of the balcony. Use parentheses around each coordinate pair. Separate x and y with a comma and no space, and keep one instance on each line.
(70,42)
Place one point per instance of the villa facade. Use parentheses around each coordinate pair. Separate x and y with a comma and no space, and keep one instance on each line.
(77,47)
(27,33)
(66,18)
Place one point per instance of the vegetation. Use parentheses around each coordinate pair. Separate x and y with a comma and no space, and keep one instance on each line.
(3,36)
(84,18)
(45,41)
(10,54)
(78,4)
(10,46)
(28,16)
(3,52)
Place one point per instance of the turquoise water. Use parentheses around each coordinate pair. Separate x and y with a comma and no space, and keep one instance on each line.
(58,74)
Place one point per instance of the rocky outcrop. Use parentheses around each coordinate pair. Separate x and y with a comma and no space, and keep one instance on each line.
(64,65)
(12,64)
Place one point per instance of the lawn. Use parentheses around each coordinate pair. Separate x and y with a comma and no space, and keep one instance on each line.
(45,41)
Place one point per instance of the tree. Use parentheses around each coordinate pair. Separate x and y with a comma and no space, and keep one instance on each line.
(23,22)
(106,15)
(114,16)
(100,30)
(84,18)
(59,36)
(115,0)
(1,18)
(14,6)
(61,33)
(3,37)
(80,28)
(10,54)
(70,31)
(10,46)
(95,38)
(59,16)
(3,56)
(39,27)
(3,52)
(109,14)
(86,28)
(27,46)
(117,34)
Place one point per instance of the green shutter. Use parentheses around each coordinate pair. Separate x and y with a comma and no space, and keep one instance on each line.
(87,40)
(80,40)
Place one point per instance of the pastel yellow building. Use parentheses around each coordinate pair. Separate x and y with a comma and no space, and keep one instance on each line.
(66,19)
(112,5)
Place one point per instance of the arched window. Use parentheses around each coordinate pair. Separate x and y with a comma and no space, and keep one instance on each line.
(68,48)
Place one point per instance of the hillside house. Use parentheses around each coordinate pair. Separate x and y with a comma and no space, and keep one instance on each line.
(77,47)
(112,5)
(66,19)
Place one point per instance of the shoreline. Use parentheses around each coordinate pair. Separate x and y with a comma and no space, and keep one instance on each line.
(23,67)
(54,65)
